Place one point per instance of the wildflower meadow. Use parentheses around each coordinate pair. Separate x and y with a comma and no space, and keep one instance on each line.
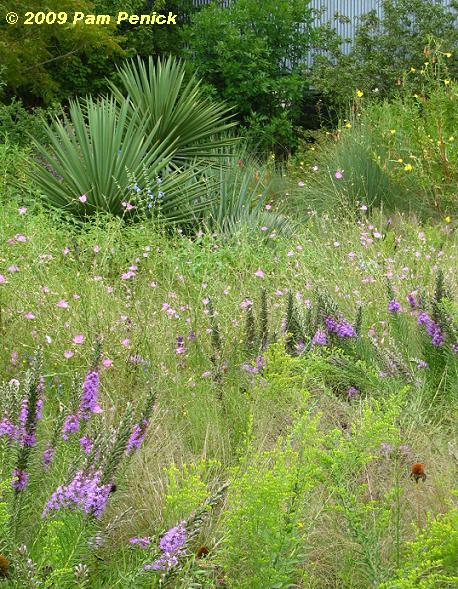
(228,364)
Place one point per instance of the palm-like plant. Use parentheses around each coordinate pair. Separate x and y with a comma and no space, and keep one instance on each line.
(241,192)
(173,111)
(97,151)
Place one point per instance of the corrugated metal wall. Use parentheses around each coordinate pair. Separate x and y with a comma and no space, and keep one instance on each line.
(342,14)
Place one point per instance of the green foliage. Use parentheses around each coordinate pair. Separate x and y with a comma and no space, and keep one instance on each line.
(385,48)
(398,154)
(30,53)
(98,153)
(251,54)
(263,522)
(240,189)
(174,112)
(431,560)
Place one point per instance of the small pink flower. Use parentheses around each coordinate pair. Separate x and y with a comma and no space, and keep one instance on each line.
(153,284)
(315,168)
(107,362)
(22,210)
(66,251)
(68,354)
(125,342)
(205,301)
(83,198)
(264,228)
(2,279)
(339,174)
(48,339)
(259,273)
(62,304)
(301,183)
(21,238)
(29,315)
(13,268)
(76,296)
(96,249)
(78,339)
(268,207)
(127,275)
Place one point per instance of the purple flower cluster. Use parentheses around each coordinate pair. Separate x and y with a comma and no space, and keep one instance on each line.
(8,429)
(20,480)
(320,338)
(437,337)
(137,436)
(71,425)
(88,405)
(394,306)
(171,544)
(351,392)
(140,542)
(254,369)
(341,328)
(89,398)
(83,492)
(48,456)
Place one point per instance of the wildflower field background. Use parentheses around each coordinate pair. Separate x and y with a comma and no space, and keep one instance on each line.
(222,367)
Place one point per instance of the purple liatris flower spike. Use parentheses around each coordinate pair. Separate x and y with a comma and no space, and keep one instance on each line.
(433,329)
(8,429)
(137,436)
(20,480)
(90,395)
(84,492)
(140,542)
(172,545)
(86,444)
(341,328)
(320,338)
(71,425)
(411,300)
(48,456)
(394,306)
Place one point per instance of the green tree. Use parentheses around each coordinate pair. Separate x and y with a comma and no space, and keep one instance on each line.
(252,55)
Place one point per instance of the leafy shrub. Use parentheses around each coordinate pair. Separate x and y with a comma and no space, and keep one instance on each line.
(385,47)
(431,560)
(252,55)
(17,123)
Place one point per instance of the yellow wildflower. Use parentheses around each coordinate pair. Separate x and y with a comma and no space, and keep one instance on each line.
(413,70)
(448,219)
(400,160)
(348,125)
(392,131)
(446,82)
(359,93)
(448,54)
(408,168)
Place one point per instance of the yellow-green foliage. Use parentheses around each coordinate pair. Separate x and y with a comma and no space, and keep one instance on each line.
(431,560)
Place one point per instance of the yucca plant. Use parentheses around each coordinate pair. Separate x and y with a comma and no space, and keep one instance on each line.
(174,111)
(242,189)
(95,155)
